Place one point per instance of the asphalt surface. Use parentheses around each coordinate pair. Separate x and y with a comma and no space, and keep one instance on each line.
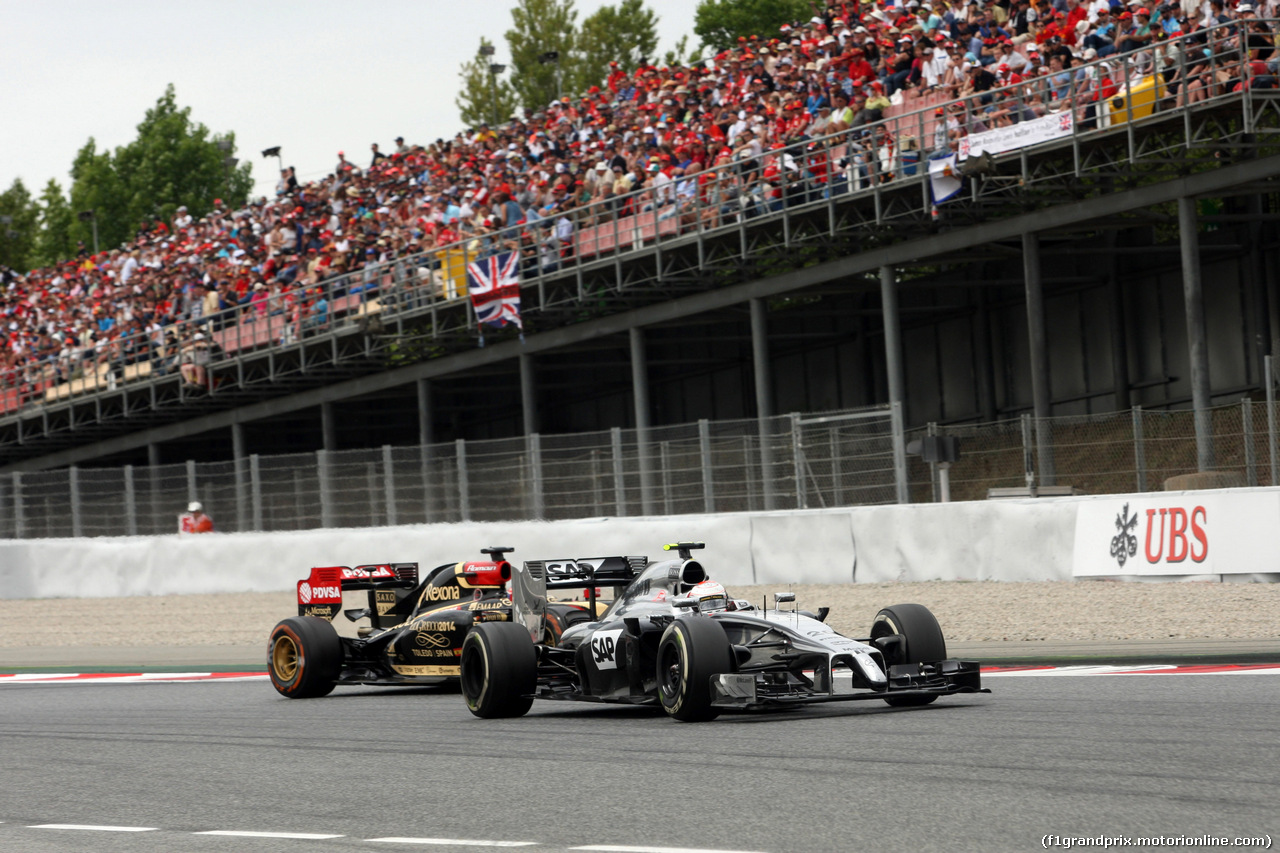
(1079,756)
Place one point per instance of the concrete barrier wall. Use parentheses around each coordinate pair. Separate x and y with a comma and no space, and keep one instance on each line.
(1009,540)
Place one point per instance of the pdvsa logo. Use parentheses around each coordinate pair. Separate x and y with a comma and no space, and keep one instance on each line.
(304,592)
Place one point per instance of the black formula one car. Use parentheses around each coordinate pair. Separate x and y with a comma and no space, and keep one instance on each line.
(673,638)
(415,628)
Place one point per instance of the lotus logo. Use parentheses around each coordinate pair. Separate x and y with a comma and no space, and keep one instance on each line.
(436,641)
(304,592)
(1125,544)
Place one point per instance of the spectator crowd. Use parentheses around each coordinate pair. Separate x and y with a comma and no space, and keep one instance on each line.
(677,142)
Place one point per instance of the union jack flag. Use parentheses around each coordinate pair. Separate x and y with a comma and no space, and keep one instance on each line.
(494,286)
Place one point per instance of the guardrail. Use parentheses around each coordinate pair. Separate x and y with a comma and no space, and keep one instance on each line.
(882,163)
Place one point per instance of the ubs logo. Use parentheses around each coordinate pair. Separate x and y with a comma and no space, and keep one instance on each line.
(435,641)
(1125,544)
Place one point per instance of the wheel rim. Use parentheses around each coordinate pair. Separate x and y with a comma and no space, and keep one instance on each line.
(284,658)
(670,668)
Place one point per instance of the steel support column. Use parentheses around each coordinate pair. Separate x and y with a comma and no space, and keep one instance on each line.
(1197,336)
(892,335)
(640,394)
(238,463)
(426,434)
(1118,330)
(1038,342)
(528,394)
(328,427)
(763,372)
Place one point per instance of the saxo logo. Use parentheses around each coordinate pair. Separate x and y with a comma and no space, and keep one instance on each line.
(1125,544)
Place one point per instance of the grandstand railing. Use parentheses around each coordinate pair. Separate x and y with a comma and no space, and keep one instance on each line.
(884,164)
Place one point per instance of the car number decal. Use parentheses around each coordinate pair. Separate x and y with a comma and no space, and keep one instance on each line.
(604,645)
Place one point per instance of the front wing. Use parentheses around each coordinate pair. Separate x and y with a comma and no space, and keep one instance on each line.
(748,690)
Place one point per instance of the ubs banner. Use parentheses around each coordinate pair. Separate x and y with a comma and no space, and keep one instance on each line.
(1184,533)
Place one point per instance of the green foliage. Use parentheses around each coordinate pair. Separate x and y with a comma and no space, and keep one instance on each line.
(540,27)
(681,55)
(57,223)
(719,23)
(173,162)
(18,236)
(626,34)
(483,98)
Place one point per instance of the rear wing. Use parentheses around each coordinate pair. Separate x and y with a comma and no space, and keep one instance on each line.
(320,593)
(529,583)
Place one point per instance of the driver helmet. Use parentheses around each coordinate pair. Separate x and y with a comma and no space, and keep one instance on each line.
(709,595)
(195,506)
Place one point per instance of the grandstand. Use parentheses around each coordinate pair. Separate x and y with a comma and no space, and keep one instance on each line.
(777,250)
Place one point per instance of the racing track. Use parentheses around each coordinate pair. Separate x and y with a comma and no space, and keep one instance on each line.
(1128,754)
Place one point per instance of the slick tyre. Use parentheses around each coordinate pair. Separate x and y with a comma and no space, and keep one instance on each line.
(924,642)
(692,650)
(499,670)
(560,617)
(304,657)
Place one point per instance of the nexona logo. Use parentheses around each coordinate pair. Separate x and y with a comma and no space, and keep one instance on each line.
(443,593)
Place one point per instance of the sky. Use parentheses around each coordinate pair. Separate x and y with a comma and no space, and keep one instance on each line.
(314,77)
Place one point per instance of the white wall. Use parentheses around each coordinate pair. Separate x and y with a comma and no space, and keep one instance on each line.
(1008,540)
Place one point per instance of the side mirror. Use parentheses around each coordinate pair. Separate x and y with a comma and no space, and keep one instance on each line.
(685,603)
(782,597)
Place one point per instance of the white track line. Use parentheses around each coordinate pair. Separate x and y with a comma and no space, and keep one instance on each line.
(624,848)
(307,836)
(96,829)
(455,842)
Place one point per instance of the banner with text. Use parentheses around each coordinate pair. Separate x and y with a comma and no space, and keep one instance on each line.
(1020,135)
(1181,533)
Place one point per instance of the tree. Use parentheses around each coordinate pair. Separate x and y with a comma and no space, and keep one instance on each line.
(543,27)
(719,23)
(484,97)
(626,34)
(173,162)
(57,223)
(18,227)
(681,55)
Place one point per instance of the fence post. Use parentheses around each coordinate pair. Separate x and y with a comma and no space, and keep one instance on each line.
(797,460)
(255,489)
(931,429)
(619,482)
(597,490)
(899,451)
(464,497)
(1268,369)
(326,499)
(764,428)
(371,487)
(1028,458)
(1139,449)
(533,442)
(73,486)
(665,450)
(192,494)
(19,511)
(424,459)
(1250,456)
(389,484)
(708,474)
(130,503)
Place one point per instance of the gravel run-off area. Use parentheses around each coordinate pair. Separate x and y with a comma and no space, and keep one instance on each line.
(968,612)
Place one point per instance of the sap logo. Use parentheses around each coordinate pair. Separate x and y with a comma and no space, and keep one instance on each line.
(1178,522)
(603,648)
(443,593)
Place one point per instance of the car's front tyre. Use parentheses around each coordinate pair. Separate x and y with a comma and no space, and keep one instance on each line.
(499,670)
(922,636)
(692,650)
(304,657)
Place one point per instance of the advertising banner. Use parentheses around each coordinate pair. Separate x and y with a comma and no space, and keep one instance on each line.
(1020,135)
(1181,533)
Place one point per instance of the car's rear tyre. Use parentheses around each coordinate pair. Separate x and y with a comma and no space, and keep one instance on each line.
(499,670)
(304,657)
(560,617)
(692,650)
(923,642)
